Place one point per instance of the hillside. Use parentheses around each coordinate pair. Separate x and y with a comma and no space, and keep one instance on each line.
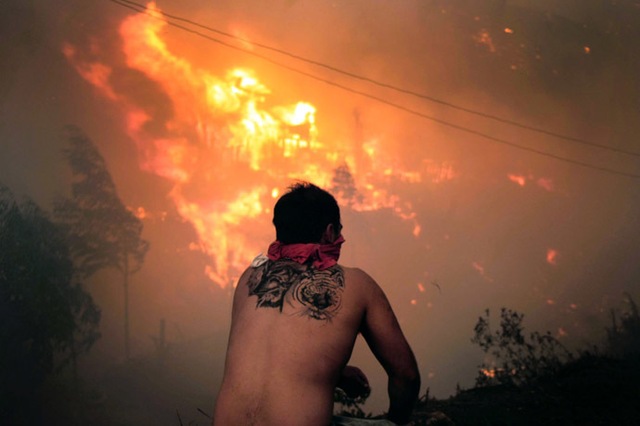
(593,390)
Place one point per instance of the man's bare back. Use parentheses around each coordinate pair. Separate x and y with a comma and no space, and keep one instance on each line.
(292,332)
(288,348)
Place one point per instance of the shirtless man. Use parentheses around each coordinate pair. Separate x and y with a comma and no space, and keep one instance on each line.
(295,318)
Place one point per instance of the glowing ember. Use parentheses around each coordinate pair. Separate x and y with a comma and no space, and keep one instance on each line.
(545,183)
(520,180)
(484,38)
(490,373)
(552,256)
(480,269)
(140,213)
(227,155)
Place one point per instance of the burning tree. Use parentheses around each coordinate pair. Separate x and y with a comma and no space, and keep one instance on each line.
(102,232)
(46,318)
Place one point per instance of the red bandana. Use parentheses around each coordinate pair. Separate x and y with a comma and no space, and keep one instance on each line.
(322,256)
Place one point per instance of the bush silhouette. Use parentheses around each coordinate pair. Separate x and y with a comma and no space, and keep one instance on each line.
(517,358)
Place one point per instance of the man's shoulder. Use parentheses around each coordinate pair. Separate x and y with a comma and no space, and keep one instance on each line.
(358,277)
(355,271)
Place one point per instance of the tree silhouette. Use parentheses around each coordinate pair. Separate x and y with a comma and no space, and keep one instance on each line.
(103,233)
(518,358)
(343,186)
(46,318)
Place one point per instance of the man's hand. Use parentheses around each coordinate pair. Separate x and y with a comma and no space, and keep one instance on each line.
(354,383)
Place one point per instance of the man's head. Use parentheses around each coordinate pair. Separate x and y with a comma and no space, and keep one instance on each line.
(303,214)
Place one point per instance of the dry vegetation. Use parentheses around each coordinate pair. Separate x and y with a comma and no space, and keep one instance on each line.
(537,381)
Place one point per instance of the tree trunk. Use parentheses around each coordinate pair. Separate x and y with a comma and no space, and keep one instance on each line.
(126,306)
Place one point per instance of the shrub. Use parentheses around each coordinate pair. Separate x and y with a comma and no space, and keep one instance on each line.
(623,337)
(516,358)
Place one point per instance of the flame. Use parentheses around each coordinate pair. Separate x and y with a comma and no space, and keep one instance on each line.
(552,256)
(227,154)
(490,373)
(95,73)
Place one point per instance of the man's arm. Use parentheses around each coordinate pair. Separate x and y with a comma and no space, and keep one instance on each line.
(382,333)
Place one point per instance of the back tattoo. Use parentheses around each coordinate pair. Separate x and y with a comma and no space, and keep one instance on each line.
(317,293)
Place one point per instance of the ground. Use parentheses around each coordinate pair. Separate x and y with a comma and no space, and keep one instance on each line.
(593,390)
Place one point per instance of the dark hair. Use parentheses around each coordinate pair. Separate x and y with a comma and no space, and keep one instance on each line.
(302,214)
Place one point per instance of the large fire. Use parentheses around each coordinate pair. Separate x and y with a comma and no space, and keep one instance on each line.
(228,155)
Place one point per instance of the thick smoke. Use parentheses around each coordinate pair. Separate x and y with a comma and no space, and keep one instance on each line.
(555,240)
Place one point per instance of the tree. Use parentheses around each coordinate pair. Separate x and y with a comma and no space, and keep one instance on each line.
(343,186)
(46,318)
(103,233)
(623,337)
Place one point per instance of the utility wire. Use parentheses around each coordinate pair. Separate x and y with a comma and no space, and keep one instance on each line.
(389,86)
(124,3)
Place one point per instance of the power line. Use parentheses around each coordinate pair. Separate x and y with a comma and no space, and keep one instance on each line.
(389,86)
(124,3)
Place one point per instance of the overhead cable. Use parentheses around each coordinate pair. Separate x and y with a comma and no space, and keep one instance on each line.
(142,9)
(379,83)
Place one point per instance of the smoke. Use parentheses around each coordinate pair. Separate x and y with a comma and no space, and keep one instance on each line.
(484,236)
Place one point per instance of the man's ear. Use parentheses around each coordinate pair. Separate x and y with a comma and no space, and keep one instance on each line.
(329,235)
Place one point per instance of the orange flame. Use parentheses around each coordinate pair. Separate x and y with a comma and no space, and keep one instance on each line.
(490,373)
(226,154)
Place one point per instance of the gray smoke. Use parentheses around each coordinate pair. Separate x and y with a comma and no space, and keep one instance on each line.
(570,68)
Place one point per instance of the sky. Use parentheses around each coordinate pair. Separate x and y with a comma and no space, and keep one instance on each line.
(463,207)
